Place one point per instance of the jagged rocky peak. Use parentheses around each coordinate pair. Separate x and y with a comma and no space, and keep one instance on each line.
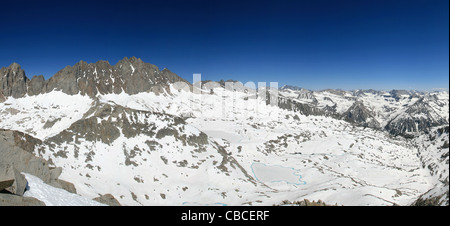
(129,75)
(13,81)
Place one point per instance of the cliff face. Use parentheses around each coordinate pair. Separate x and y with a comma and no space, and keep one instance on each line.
(16,148)
(129,75)
(13,81)
(360,115)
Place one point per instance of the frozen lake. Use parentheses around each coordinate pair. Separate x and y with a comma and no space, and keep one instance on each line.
(230,137)
(269,174)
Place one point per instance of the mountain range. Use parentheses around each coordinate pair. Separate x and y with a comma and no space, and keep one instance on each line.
(125,134)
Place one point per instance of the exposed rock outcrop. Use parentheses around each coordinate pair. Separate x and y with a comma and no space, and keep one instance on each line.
(129,75)
(16,148)
(16,200)
(13,81)
(11,180)
(304,202)
(360,115)
(107,199)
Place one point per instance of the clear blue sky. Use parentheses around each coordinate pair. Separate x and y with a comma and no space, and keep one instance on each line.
(347,44)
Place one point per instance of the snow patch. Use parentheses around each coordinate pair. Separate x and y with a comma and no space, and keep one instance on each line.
(52,196)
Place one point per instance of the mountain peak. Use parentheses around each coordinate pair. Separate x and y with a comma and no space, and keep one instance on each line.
(132,59)
(14,66)
(81,62)
(129,75)
(13,81)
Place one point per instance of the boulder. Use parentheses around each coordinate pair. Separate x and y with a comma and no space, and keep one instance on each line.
(17,148)
(6,179)
(58,183)
(15,200)
(12,180)
(107,199)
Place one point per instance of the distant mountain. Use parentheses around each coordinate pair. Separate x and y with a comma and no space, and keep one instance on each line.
(289,87)
(400,112)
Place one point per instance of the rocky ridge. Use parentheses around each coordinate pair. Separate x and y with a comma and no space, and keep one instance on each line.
(129,75)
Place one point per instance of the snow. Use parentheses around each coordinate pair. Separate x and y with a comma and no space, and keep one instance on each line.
(191,130)
(230,137)
(132,69)
(314,157)
(31,113)
(52,196)
(272,174)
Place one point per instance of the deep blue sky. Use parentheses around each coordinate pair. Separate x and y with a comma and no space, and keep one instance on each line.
(315,44)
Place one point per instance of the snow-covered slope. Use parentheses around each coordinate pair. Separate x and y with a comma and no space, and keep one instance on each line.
(434,155)
(136,154)
(225,147)
(399,112)
(333,160)
(127,144)
(52,196)
(43,115)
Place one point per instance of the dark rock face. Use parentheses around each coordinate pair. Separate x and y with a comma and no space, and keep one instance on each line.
(443,130)
(129,75)
(13,81)
(126,121)
(360,115)
(107,199)
(35,85)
